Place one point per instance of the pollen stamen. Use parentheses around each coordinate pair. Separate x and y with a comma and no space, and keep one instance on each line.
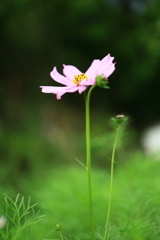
(78,78)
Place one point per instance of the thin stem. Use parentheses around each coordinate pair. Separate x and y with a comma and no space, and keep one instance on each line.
(61,235)
(111,185)
(88,158)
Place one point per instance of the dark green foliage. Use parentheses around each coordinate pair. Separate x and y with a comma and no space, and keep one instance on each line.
(37,35)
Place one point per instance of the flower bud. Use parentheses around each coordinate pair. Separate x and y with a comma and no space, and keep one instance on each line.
(119,119)
(58,226)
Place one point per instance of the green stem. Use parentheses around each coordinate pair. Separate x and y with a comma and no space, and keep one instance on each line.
(111,185)
(61,235)
(88,159)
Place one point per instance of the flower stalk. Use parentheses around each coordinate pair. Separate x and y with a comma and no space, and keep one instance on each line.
(61,235)
(88,159)
(111,185)
(118,121)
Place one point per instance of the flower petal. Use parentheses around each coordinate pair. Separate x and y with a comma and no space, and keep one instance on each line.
(106,62)
(91,73)
(81,88)
(59,91)
(54,90)
(89,82)
(69,90)
(70,71)
(57,76)
(93,68)
(109,70)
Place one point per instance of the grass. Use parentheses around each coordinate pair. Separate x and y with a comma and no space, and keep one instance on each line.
(33,164)
(135,214)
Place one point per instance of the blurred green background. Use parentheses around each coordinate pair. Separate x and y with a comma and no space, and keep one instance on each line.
(38,132)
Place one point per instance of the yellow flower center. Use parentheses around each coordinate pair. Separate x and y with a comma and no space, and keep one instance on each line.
(78,78)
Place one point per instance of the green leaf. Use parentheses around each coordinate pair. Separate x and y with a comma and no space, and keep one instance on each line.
(81,163)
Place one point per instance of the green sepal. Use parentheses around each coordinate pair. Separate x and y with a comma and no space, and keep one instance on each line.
(118,120)
(101,81)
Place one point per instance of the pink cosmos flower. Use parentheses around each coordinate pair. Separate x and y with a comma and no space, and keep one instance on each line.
(74,80)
